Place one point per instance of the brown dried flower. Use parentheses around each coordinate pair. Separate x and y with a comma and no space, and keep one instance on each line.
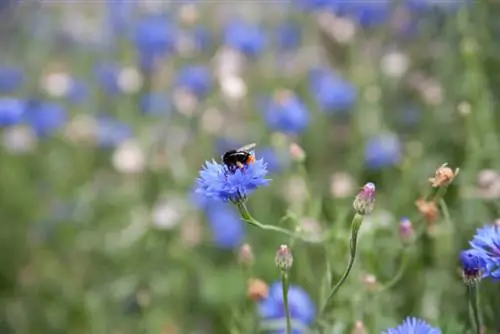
(257,289)
(428,209)
(444,176)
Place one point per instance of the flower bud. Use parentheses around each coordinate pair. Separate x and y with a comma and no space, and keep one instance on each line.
(427,209)
(444,176)
(297,152)
(245,256)
(365,199)
(472,267)
(359,328)
(257,289)
(284,258)
(371,283)
(406,231)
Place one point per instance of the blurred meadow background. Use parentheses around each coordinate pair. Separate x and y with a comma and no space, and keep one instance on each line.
(109,108)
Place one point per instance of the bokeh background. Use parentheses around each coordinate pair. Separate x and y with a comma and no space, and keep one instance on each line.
(109,108)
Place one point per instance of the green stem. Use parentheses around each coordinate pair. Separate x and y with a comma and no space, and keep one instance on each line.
(245,214)
(399,274)
(284,281)
(473,297)
(355,226)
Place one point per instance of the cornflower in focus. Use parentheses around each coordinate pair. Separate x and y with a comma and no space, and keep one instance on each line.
(444,176)
(286,113)
(216,181)
(413,326)
(473,266)
(364,202)
(302,308)
(487,244)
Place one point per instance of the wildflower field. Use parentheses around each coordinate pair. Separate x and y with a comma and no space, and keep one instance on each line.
(130,201)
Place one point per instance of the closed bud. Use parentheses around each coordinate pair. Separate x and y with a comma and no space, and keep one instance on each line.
(245,256)
(364,202)
(297,152)
(406,231)
(359,328)
(473,266)
(284,258)
(444,176)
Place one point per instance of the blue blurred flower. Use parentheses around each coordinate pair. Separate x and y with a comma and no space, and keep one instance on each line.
(111,132)
(302,308)
(202,38)
(11,111)
(332,92)
(155,35)
(119,14)
(196,78)
(487,243)
(79,92)
(383,151)
(156,104)
(426,5)
(217,182)
(286,113)
(473,265)
(368,13)
(11,79)
(228,230)
(413,326)
(107,78)
(289,36)
(245,37)
(46,117)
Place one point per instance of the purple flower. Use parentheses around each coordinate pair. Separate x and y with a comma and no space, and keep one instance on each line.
(227,227)
(217,182)
(46,117)
(413,326)
(302,308)
(331,92)
(487,244)
(245,37)
(11,111)
(365,199)
(286,113)
(11,79)
(111,132)
(382,151)
(197,79)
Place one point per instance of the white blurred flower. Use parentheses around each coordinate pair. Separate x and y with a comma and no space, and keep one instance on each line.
(81,128)
(185,44)
(167,213)
(185,102)
(130,80)
(228,62)
(188,14)
(129,158)
(341,29)
(212,121)
(19,139)
(464,108)
(342,185)
(57,84)
(295,190)
(394,64)
(233,87)
(153,6)
(431,91)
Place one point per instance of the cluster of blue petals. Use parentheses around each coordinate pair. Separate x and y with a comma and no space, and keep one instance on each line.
(413,325)
(486,244)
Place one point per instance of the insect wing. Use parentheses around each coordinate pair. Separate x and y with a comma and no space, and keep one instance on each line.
(247,148)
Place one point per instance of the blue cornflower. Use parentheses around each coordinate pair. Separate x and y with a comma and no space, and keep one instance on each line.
(413,326)
(289,36)
(302,308)
(156,104)
(227,227)
(78,92)
(368,14)
(487,243)
(155,35)
(202,38)
(46,117)
(197,79)
(331,92)
(11,111)
(473,266)
(382,151)
(217,182)
(11,79)
(111,132)
(107,78)
(286,113)
(245,37)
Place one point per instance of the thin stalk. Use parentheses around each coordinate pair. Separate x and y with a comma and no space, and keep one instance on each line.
(245,214)
(355,226)
(284,281)
(405,259)
(473,297)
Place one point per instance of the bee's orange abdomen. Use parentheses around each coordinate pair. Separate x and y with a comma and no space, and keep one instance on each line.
(251,159)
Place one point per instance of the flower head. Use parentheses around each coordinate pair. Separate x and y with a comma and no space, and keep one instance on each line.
(46,117)
(365,199)
(286,113)
(473,266)
(196,79)
(302,308)
(247,38)
(487,243)
(413,326)
(284,258)
(217,182)
(406,231)
(11,111)
(332,92)
(444,176)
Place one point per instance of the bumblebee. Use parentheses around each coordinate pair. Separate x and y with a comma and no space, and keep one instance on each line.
(238,158)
